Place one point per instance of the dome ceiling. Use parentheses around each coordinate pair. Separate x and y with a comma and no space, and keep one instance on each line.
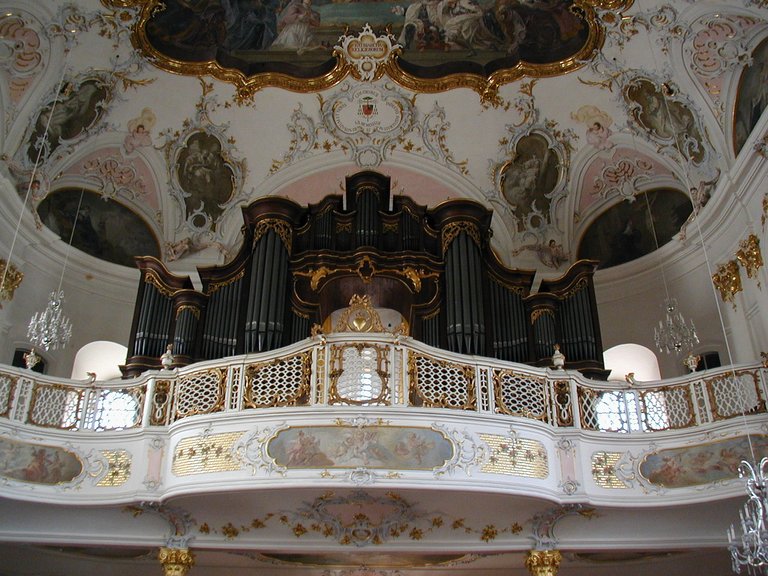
(571,120)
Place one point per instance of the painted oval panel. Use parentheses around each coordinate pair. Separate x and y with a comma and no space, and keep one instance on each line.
(399,448)
(625,231)
(752,97)
(696,465)
(105,229)
(78,109)
(37,463)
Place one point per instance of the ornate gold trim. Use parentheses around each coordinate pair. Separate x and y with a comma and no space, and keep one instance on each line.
(176,561)
(195,310)
(10,279)
(299,398)
(280,227)
(543,562)
(487,86)
(727,280)
(67,390)
(749,256)
(502,407)
(417,398)
(539,312)
(336,370)
(151,277)
(161,403)
(364,317)
(221,375)
(214,286)
(709,382)
(12,382)
(452,230)
(366,269)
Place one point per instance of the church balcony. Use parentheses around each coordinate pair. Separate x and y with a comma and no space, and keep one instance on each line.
(382,411)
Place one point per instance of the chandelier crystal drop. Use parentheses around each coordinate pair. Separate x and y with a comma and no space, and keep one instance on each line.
(674,333)
(750,548)
(50,329)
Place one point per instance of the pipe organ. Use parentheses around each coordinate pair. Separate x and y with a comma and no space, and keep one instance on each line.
(298,265)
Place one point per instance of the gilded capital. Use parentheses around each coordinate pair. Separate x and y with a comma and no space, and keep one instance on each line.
(543,562)
(176,561)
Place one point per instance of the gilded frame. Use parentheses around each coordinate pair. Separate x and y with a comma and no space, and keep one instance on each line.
(436,79)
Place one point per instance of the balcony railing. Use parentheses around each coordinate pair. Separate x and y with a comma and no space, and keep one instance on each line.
(380,370)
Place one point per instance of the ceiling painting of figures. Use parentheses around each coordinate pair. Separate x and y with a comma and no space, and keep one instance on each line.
(268,41)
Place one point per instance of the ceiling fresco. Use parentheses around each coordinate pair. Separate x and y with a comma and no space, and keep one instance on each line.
(560,116)
(437,44)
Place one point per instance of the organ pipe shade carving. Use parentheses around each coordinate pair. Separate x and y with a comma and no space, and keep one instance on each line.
(298,265)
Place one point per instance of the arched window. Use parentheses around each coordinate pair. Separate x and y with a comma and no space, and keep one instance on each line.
(622,410)
(101,357)
(632,359)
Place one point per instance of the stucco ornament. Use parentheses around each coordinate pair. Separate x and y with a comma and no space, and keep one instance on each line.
(368,118)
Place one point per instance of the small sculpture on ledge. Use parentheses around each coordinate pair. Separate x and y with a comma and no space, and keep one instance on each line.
(558,358)
(31,359)
(692,361)
(166,360)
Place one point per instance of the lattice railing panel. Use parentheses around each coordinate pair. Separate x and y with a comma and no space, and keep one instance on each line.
(55,406)
(731,396)
(441,384)
(115,409)
(359,375)
(521,394)
(200,392)
(680,412)
(281,383)
(655,414)
(7,387)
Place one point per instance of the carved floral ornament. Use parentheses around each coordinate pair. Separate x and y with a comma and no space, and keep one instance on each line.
(184,38)
(10,279)
(727,279)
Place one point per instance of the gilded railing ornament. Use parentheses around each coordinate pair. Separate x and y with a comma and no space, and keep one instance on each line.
(727,280)
(543,562)
(10,279)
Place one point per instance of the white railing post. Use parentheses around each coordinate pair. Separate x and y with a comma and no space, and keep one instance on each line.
(149,401)
(575,408)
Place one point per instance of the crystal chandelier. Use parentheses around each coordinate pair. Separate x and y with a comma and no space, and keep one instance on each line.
(50,329)
(674,334)
(750,549)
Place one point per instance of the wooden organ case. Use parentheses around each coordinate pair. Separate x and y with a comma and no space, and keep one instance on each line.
(298,265)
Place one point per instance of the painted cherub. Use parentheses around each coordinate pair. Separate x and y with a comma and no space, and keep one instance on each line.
(598,126)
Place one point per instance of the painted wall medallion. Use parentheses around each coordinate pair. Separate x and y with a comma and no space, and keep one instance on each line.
(37,463)
(390,447)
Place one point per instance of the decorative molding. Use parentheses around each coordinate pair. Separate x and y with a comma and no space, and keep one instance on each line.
(252,450)
(727,279)
(10,280)
(468,453)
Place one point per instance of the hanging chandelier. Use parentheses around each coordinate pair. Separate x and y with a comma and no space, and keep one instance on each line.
(50,329)
(750,549)
(674,333)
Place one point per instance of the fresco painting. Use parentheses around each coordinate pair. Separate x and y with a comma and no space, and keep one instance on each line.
(752,96)
(666,119)
(625,231)
(105,229)
(528,180)
(37,463)
(297,36)
(204,176)
(77,108)
(696,465)
(369,446)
